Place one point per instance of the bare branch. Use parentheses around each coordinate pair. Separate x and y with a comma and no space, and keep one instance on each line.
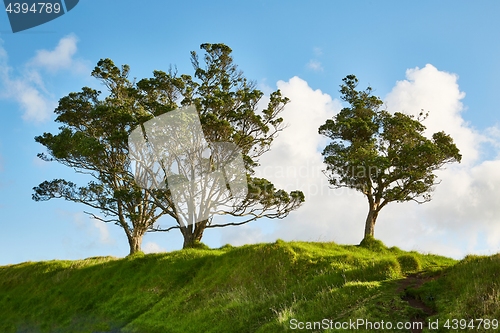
(100,218)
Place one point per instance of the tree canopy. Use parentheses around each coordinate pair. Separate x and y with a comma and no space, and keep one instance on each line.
(93,141)
(228,107)
(384,155)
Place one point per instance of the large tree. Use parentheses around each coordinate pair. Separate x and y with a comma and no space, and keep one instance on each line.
(95,134)
(93,141)
(228,108)
(386,156)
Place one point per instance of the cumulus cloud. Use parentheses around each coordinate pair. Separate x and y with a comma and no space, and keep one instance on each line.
(26,86)
(295,162)
(463,215)
(438,93)
(462,218)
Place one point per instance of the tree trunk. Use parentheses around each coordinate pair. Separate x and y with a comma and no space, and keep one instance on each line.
(370,221)
(193,234)
(135,242)
(190,240)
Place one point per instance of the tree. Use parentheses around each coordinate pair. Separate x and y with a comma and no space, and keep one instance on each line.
(93,141)
(227,105)
(95,133)
(385,156)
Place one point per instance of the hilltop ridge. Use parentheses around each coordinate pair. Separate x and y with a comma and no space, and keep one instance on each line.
(252,288)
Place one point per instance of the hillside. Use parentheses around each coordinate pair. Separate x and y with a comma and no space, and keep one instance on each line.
(255,288)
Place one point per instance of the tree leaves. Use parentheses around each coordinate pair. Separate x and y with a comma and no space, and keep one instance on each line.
(93,140)
(397,159)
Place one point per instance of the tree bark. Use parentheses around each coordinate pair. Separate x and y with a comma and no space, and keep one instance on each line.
(190,239)
(193,234)
(370,221)
(135,242)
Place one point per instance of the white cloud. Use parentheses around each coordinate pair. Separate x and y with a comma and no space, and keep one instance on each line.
(315,65)
(464,205)
(437,92)
(62,57)
(36,105)
(24,90)
(152,247)
(295,162)
(26,86)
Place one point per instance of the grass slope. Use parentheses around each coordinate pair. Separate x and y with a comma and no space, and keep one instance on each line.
(253,288)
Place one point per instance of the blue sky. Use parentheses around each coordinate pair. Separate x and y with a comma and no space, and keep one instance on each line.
(442,56)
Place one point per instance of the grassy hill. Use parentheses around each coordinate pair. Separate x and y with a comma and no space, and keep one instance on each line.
(255,288)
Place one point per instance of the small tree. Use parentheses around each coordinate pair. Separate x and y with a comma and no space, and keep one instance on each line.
(385,156)
(93,141)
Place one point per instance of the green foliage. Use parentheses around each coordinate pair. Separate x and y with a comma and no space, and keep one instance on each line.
(397,160)
(253,288)
(227,103)
(93,140)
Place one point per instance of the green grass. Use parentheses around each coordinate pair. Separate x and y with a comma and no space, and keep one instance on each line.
(253,288)
(468,291)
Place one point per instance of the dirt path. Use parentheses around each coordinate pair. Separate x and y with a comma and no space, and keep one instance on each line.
(415,281)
